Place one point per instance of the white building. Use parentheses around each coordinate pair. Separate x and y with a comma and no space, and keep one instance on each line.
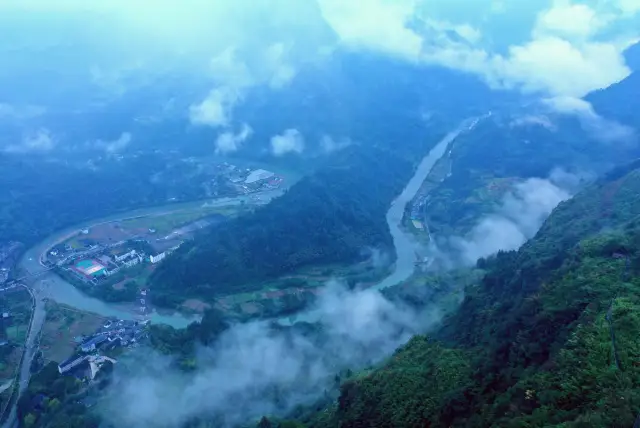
(157,258)
(120,257)
(258,175)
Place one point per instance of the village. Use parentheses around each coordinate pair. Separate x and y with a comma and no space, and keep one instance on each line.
(89,356)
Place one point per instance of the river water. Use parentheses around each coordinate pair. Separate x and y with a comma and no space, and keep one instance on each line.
(404,244)
(52,286)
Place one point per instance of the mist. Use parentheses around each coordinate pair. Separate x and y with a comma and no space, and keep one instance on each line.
(518,217)
(258,368)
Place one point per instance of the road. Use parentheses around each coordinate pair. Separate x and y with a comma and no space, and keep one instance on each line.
(52,286)
(30,348)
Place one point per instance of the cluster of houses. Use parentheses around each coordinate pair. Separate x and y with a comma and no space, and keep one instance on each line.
(417,212)
(112,334)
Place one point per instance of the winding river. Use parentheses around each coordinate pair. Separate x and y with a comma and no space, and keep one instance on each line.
(404,244)
(54,287)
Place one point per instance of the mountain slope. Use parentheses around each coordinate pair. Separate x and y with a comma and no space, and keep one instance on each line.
(531,345)
(331,216)
(620,102)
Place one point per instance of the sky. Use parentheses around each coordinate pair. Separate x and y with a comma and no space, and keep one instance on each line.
(77,53)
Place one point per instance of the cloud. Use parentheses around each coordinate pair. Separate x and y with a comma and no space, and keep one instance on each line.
(517,219)
(228,142)
(114,146)
(628,7)
(561,57)
(233,78)
(282,73)
(375,25)
(598,127)
(290,141)
(554,65)
(562,48)
(568,20)
(330,145)
(20,112)
(40,142)
(535,120)
(255,369)
(216,109)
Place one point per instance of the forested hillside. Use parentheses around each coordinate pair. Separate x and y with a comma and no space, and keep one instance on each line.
(41,196)
(614,102)
(547,338)
(330,216)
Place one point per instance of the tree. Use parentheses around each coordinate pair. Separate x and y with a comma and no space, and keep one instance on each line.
(264,423)
(29,420)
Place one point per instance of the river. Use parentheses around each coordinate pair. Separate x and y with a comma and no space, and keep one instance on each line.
(404,243)
(53,287)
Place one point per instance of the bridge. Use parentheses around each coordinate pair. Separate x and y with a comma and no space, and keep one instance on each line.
(14,282)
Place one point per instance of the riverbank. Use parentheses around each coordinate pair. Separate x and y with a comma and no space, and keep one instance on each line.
(55,288)
(404,243)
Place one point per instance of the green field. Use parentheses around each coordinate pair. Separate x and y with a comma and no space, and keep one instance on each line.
(164,224)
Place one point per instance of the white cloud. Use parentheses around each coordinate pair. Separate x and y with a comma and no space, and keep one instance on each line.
(375,25)
(228,142)
(569,20)
(40,142)
(557,66)
(560,58)
(115,146)
(519,217)
(529,120)
(216,109)
(330,145)
(629,7)
(290,141)
(20,112)
(233,78)
(281,72)
(600,128)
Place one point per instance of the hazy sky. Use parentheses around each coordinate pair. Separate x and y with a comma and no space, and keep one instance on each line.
(52,50)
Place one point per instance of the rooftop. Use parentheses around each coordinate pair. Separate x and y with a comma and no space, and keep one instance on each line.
(258,175)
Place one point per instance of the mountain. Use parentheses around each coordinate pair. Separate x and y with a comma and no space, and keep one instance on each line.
(330,216)
(632,57)
(618,102)
(547,338)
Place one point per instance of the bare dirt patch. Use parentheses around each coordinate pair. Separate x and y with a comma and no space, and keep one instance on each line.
(61,326)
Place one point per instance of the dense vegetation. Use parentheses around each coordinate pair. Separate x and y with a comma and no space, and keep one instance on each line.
(328,217)
(54,400)
(548,337)
(511,151)
(43,196)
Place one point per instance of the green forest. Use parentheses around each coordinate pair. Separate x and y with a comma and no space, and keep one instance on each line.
(547,338)
(44,196)
(328,217)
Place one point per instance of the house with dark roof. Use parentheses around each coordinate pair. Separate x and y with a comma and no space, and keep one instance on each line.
(93,342)
(71,362)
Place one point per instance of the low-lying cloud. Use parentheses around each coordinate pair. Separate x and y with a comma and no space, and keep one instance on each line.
(39,142)
(290,141)
(329,144)
(517,219)
(256,369)
(598,127)
(228,142)
(115,146)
